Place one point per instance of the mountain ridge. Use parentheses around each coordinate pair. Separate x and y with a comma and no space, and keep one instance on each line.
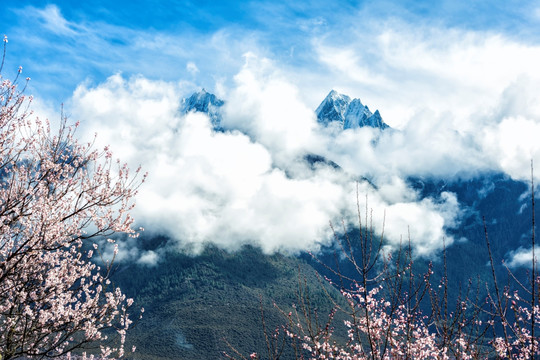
(336,108)
(347,113)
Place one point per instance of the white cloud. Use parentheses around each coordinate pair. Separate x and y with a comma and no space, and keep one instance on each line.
(267,107)
(192,68)
(230,188)
(149,258)
(522,257)
(205,186)
(53,20)
(425,222)
(513,143)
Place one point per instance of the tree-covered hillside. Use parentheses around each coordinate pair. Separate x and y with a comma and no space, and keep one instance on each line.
(194,305)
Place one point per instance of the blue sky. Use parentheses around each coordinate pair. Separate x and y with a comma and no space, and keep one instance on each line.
(459,81)
(62,43)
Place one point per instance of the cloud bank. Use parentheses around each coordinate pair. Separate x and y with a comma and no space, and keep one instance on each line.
(251,183)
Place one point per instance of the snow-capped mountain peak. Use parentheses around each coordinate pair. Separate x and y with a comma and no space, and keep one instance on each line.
(333,108)
(348,113)
(337,109)
(204,102)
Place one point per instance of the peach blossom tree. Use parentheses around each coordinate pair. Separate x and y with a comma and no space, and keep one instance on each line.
(58,197)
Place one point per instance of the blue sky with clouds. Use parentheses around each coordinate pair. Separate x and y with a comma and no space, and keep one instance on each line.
(458,80)
(63,43)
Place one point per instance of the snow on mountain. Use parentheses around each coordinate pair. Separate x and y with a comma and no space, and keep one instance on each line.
(336,108)
(204,102)
(349,114)
(333,108)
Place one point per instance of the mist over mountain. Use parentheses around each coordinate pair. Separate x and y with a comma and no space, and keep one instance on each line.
(470,194)
(273,175)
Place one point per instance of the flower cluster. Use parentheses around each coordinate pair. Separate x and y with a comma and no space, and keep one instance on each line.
(392,313)
(376,330)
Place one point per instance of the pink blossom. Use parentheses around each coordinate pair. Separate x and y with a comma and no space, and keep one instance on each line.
(58,196)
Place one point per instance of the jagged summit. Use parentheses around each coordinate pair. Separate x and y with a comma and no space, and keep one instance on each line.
(204,102)
(349,114)
(336,109)
(333,108)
